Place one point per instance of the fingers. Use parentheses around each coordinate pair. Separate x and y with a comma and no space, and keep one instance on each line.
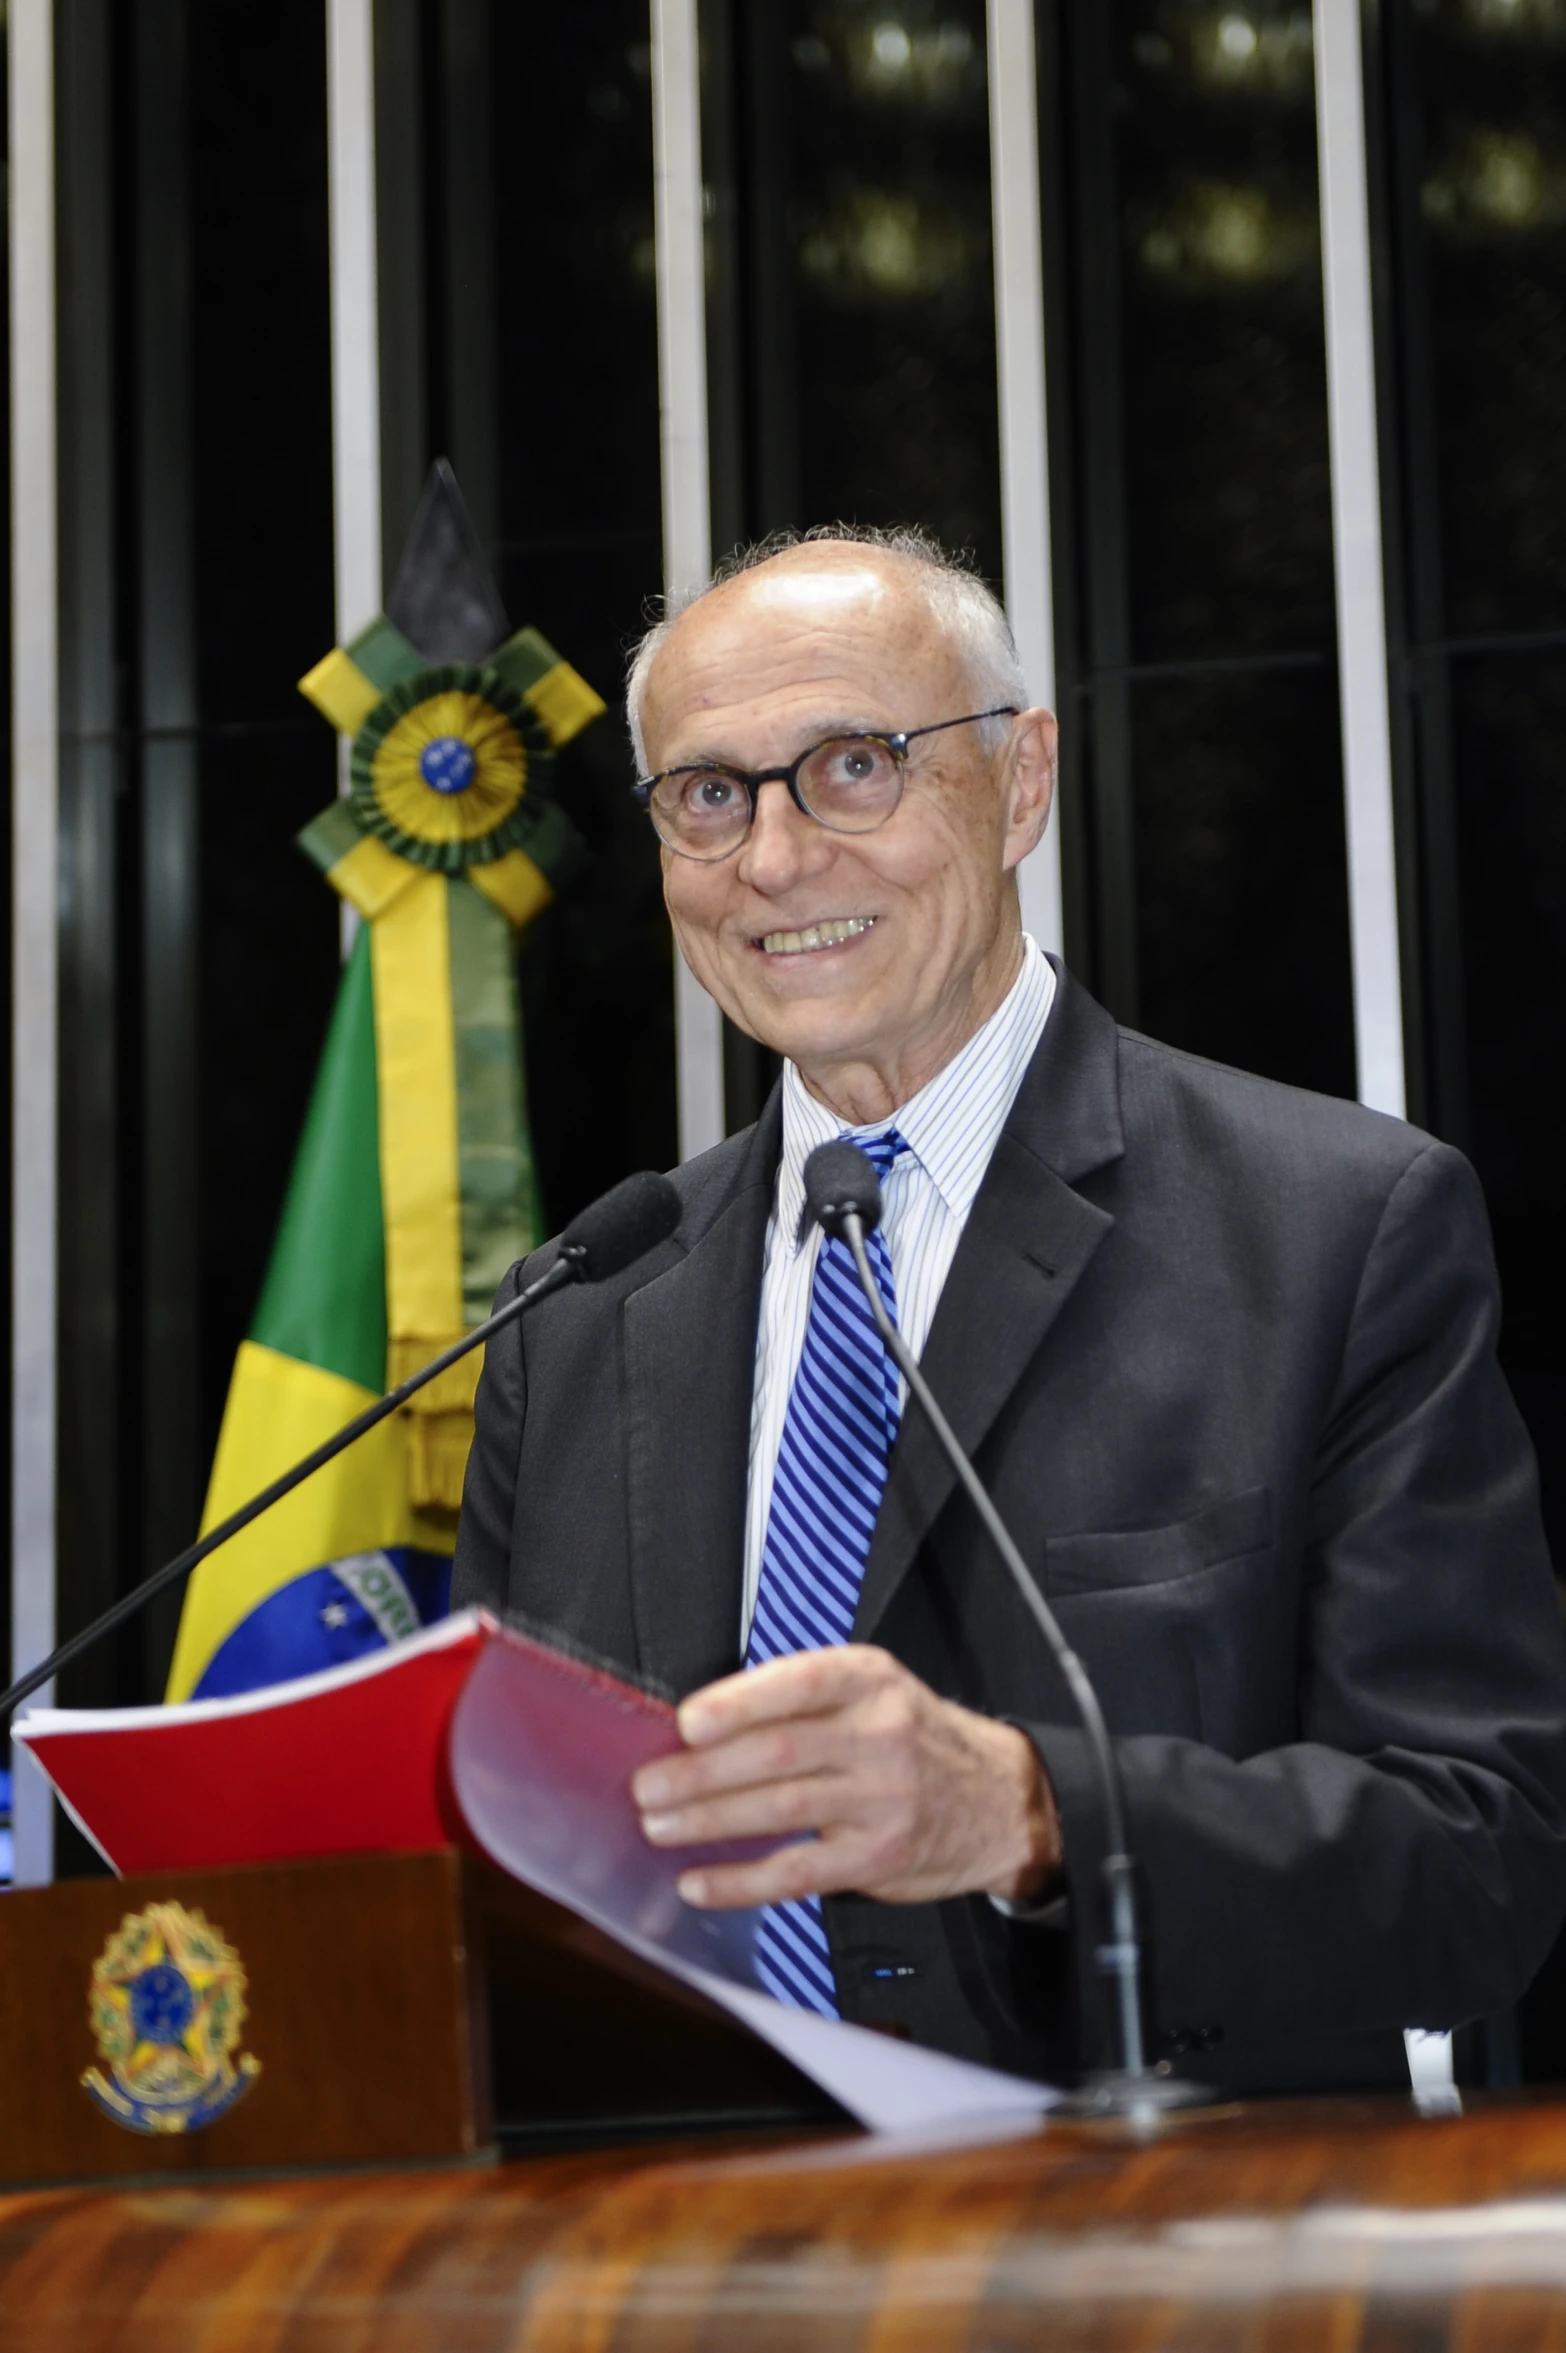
(817,1866)
(775,1723)
(765,1809)
(778,1752)
(809,1684)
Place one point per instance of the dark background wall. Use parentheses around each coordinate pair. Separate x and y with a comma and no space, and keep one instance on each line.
(1470,123)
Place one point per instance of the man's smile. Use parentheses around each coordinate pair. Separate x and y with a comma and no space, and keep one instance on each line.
(812,936)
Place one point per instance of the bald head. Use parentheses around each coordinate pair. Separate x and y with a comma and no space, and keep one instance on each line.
(795,638)
(961,605)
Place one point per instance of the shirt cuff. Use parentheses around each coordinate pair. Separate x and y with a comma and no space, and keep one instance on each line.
(1046,1912)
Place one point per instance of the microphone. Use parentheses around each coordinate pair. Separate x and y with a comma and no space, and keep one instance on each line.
(608,1236)
(843,1196)
(605,1238)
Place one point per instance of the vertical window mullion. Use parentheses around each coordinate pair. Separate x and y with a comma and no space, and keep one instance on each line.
(35,859)
(1024,427)
(687,525)
(356,400)
(1357,554)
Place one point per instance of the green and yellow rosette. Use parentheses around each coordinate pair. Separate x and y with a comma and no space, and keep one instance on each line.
(448,842)
(442,767)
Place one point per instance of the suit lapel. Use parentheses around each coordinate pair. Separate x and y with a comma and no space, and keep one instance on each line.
(1025,1246)
(688,1360)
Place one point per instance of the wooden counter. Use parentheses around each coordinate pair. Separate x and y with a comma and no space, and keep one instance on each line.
(1342,2225)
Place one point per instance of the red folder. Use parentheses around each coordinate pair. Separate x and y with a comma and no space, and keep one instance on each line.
(351,1761)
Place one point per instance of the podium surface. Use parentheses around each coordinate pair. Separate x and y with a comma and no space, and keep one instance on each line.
(1335,2225)
(466,2122)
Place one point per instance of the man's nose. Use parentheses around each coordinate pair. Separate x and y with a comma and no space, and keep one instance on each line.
(783,844)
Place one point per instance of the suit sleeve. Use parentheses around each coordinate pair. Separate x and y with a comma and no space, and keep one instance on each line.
(482,1569)
(1404,1862)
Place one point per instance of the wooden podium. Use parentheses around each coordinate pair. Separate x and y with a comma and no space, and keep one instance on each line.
(401,2008)
(415,2017)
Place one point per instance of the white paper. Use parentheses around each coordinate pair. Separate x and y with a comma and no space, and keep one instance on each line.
(562,1820)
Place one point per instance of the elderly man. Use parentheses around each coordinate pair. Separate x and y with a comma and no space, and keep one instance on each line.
(1224,1353)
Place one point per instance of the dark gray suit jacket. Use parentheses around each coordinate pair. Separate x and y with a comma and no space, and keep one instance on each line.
(1225,1354)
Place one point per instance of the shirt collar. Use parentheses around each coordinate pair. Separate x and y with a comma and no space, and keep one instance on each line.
(953,1124)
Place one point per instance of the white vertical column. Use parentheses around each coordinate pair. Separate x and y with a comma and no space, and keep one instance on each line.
(1356,534)
(356,374)
(35,885)
(1024,424)
(682,406)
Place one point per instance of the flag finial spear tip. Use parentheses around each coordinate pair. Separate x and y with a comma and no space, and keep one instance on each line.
(444,598)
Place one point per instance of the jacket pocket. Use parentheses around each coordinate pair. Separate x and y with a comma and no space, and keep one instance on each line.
(1111,1561)
(1188,1630)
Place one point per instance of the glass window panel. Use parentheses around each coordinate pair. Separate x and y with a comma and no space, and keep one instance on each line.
(1472,124)
(1508,715)
(1241,900)
(261,468)
(890,214)
(1509,722)
(1228,492)
(1198,655)
(580,555)
(850,301)
(1492,198)
(851,297)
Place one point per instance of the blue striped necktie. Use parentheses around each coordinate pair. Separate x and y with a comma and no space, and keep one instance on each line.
(838,1435)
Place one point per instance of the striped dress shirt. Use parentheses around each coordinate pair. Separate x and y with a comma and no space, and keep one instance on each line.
(951,1128)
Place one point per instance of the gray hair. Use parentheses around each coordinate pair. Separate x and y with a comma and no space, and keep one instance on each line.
(966,607)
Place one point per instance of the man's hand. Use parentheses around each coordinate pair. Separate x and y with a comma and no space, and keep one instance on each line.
(911,1798)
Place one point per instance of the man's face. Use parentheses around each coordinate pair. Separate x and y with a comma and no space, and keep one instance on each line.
(822,641)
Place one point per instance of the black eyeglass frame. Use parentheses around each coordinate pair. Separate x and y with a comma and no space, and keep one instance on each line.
(753,779)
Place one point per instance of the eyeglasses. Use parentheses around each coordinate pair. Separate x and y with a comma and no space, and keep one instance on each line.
(849,783)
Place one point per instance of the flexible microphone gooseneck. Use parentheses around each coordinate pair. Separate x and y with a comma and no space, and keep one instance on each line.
(610,1235)
(843,1196)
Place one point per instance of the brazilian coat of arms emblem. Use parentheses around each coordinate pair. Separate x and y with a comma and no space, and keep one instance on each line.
(166,2003)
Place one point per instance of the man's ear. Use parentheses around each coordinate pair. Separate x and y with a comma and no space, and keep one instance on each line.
(1031,755)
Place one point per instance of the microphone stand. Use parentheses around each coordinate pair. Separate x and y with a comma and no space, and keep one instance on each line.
(614,1231)
(566,1269)
(1134,2088)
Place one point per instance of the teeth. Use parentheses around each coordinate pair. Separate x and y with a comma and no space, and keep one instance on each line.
(816,935)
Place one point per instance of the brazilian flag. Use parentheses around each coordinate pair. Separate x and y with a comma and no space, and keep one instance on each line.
(345,1563)
(413,1188)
